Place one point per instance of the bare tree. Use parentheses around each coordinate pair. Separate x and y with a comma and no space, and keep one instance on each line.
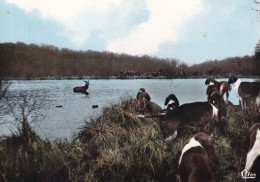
(256,7)
(257,2)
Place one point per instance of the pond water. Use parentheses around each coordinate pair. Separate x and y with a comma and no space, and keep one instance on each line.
(43,97)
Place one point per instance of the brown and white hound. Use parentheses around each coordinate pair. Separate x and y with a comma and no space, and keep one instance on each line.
(245,90)
(252,167)
(196,159)
(223,87)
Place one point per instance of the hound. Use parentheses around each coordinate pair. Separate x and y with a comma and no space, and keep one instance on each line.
(82,89)
(171,102)
(252,167)
(142,94)
(196,159)
(258,102)
(217,100)
(150,107)
(223,87)
(244,90)
(196,114)
(144,102)
(210,89)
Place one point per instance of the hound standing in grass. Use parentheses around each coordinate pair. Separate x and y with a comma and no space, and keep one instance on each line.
(144,102)
(213,85)
(142,94)
(151,107)
(217,100)
(252,168)
(196,159)
(258,102)
(245,90)
(196,114)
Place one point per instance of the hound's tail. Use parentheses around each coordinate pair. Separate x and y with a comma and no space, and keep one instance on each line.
(161,115)
(227,86)
(164,111)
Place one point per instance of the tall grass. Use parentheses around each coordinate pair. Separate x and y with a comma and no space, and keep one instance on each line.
(117,146)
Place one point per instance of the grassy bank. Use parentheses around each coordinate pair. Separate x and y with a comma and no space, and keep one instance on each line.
(117,147)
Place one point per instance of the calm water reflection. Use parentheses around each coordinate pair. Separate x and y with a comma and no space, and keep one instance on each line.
(60,122)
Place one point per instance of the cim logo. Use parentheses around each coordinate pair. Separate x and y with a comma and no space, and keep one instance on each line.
(247,175)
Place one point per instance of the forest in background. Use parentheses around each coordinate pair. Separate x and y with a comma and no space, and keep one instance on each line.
(19,60)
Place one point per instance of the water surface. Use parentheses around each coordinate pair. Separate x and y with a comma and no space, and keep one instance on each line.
(62,122)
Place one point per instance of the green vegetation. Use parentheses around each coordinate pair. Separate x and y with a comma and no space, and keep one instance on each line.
(32,61)
(117,146)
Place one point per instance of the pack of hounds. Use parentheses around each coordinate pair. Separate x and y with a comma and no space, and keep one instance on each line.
(211,114)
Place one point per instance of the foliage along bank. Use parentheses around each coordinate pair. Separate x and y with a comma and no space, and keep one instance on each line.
(19,60)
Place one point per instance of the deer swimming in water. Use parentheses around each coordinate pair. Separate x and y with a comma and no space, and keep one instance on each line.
(82,89)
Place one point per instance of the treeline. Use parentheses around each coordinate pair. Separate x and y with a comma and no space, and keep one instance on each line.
(246,66)
(19,60)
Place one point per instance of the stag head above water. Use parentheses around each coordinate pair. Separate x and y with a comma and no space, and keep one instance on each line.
(82,89)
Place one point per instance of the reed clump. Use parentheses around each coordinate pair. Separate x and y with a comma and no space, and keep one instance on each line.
(117,146)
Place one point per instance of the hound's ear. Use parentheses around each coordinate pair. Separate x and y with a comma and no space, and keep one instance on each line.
(231,75)
(207,81)
(222,99)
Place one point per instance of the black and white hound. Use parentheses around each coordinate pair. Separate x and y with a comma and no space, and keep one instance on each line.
(196,159)
(223,87)
(252,167)
(245,90)
(258,102)
(171,102)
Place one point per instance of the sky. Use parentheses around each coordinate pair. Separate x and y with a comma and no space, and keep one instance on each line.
(192,31)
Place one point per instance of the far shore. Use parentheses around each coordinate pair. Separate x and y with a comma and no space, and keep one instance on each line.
(114,77)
